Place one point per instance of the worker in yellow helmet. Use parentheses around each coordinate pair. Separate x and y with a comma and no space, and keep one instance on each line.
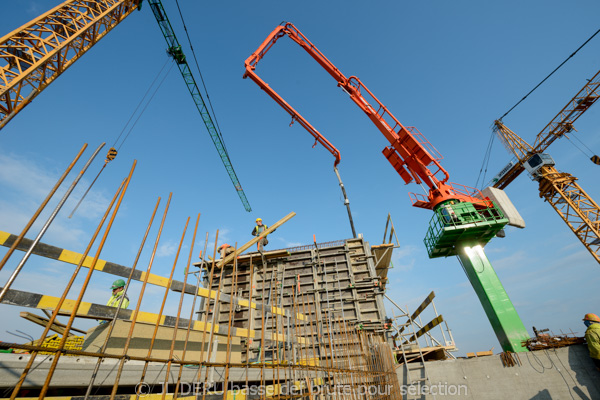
(258,229)
(592,337)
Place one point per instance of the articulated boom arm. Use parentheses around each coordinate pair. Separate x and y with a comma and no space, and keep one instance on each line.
(409,152)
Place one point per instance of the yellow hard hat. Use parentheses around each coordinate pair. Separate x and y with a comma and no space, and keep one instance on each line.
(591,317)
(258,219)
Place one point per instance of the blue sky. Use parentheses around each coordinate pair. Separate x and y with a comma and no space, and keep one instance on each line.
(448,68)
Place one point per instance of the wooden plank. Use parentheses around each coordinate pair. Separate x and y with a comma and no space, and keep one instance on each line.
(43,321)
(252,242)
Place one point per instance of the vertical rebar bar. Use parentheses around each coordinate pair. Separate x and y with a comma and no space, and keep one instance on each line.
(162,306)
(41,208)
(52,368)
(187,334)
(58,207)
(118,308)
(139,302)
(33,355)
(234,275)
(176,329)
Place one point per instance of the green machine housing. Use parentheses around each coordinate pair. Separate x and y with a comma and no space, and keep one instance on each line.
(454,222)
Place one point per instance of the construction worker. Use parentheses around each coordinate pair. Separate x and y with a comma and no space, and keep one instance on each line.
(118,293)
(592,337)
(258,229)
(225,250)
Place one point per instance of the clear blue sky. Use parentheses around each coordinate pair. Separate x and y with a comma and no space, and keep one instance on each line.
(448,68)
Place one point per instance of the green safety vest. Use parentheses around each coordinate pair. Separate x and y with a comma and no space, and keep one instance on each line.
(592,337)
(260,229)
(116,298)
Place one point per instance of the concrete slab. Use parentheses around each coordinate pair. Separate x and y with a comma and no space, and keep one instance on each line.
(565,373)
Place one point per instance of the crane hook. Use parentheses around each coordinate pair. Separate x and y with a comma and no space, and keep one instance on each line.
(112,153)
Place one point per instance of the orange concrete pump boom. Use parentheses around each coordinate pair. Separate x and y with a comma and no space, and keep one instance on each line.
(411,155)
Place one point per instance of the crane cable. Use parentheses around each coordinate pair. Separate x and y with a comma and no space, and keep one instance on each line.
(112,152)
(202,79)
(486,160)
(551,73)
(594,158)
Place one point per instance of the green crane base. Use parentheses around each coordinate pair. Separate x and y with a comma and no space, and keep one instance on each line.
(500,311)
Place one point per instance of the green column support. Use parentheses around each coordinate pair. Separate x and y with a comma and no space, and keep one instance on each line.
(500,311)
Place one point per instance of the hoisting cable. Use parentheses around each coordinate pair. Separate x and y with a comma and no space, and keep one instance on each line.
(486,160)
(594,158)
(112,152)
(551,73)
(202,79)
(141,101)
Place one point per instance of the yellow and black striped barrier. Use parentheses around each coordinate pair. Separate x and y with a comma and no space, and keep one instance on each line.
(101,312)
(71,257)
(432,324)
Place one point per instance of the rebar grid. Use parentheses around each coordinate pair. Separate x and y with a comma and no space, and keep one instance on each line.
(303,326)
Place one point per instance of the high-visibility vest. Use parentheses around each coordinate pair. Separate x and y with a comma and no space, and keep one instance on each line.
(116,298)
(258,229)
(592,337)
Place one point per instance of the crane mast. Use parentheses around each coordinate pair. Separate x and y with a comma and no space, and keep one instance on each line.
(464,220)
(39,52)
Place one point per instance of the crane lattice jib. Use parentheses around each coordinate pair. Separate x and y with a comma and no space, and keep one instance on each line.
(411,155)
(563,122)
(34,55)
(560,125)
(580,212)
(176,52)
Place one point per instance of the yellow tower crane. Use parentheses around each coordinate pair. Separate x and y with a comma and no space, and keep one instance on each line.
(34,55)
(559,189)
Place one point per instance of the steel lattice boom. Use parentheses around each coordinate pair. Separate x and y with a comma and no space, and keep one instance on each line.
(560,189)
(37,53)
(574,205)
(34,55)
(560,125)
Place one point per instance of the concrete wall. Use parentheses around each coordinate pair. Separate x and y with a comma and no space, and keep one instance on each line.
(565,373)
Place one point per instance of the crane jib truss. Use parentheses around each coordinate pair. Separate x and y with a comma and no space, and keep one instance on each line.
(561,190)
(34,55)
(576,208)
(560,125)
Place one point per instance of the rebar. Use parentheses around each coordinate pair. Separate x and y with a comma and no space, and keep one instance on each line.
(41,208)
(58,207)
(86,282)
(33,355)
